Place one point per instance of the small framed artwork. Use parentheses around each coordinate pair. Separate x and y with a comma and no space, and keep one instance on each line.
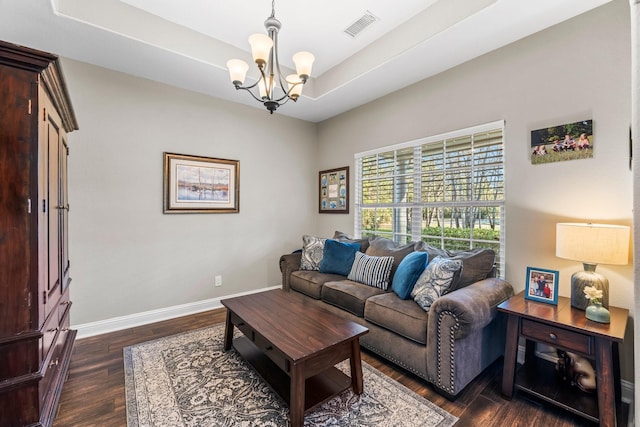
(558,143)
(542,285)
(333,192)
(196,184)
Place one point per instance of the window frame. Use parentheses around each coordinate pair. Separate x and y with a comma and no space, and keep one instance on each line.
(413,231)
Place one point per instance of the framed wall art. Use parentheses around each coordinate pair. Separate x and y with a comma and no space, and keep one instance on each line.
(334,190)
(196,184)
(542,285)
(570,141)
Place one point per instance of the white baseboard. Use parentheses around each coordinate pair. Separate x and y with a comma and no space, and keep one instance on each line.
(626,387)
(86,330)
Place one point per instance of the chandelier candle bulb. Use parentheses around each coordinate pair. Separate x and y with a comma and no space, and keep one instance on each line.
(295,86)
(261,45)
(237,71)
(304,62)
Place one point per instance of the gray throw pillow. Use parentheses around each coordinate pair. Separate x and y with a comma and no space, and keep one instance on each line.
(435,281)
(312,248)
(381,246)
(344,237)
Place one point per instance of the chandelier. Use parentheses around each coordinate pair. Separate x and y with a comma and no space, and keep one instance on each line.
(274,90)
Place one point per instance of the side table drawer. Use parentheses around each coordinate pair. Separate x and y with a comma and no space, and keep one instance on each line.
(573,341)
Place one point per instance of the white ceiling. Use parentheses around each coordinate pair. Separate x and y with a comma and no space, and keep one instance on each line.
(186,43)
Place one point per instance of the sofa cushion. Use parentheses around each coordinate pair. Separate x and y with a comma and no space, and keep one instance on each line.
(404,317)
(435,281)
(349,295)
(312,248)
(410,268)
(476,265)
(310,282)
(344,237)
(337,257)
(381,246)
(371,270)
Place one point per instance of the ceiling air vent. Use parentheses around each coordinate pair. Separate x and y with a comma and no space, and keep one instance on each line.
(357,27)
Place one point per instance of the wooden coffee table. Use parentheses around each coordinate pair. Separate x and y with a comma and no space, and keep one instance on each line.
(304,341)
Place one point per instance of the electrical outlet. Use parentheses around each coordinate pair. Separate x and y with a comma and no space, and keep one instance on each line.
(218,281)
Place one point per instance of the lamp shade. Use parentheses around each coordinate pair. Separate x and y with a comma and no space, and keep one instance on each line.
(593,243)
(294,84)
(261,45)
(237,70)
(304,62)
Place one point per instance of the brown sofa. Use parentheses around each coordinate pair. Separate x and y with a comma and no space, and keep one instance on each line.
(451,344)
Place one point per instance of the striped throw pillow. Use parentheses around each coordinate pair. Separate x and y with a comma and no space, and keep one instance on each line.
(371,270)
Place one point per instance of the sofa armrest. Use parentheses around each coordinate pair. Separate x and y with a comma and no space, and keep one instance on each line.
(464,333)
(288,264)
(473,306)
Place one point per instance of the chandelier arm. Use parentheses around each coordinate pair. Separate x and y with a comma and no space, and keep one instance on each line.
(248,89)
(287,91)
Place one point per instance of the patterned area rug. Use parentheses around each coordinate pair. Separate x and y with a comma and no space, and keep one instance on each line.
(189,380)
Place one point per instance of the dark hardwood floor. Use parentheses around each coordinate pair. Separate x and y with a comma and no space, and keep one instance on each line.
(94,393)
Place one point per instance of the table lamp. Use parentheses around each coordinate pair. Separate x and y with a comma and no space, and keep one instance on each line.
(592,244)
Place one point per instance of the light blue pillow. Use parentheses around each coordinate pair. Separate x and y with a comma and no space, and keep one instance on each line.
(337,257)
(408,272)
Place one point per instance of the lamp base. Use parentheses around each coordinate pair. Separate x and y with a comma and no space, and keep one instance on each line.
(582,279)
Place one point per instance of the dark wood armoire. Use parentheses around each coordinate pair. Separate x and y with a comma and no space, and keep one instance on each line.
(35,338)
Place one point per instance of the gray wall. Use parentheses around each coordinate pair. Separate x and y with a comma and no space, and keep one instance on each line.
(129,257)
(576,70)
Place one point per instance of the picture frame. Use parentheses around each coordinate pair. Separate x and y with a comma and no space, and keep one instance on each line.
(542,285)
(333,190)
(570,141)
(198,184)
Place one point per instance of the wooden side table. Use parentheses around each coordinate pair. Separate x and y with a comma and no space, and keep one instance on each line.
(565,328)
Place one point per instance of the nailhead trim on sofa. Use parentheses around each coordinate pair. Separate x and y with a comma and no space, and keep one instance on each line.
(448,387)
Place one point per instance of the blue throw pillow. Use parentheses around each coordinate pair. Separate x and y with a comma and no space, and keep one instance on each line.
(337,257)
(408,272)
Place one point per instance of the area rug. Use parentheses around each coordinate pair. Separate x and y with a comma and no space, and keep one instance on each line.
(188,380)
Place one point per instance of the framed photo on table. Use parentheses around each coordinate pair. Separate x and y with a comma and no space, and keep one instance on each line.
(196,184)
(333,192)
(542,285)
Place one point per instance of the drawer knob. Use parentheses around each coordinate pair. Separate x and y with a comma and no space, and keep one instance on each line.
(553,336)
(268,348)
(52,330)
(241,324)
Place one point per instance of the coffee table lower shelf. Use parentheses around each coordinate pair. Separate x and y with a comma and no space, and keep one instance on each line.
(318,388)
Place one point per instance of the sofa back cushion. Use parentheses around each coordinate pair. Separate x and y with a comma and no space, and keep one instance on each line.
(344,237)
(338,257)
(477,264)
(383,247)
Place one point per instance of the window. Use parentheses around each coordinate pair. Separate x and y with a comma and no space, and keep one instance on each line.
(447,190)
